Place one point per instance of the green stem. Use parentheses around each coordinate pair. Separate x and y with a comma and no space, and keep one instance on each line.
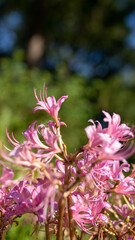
(127,202)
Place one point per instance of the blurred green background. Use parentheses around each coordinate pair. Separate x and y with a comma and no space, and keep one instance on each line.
(81,48)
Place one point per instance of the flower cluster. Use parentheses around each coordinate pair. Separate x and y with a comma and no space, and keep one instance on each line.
(91,190)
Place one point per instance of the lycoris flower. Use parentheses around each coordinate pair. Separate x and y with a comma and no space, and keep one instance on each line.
(24,153)
(119,131)
(88,212)
(6,177)
(124,212)
(49,104)
(106,143)
(126,186)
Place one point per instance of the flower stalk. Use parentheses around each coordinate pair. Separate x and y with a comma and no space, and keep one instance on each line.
(60,218)
(47,232)
(70,216)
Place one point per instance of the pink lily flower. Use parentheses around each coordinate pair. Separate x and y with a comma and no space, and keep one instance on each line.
(24,154)
(49,104)
(104,144)
(87,213)
(6,177)
(120,131)
(124,211)
(125,187)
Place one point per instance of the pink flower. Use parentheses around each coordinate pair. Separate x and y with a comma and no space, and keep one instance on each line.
(115,130)
(120,131)
(32,136)
(104,152)
(49,104)
(21,155)
(87,212)
(124,211)
(126,186)
(105,144)
(7,175)
(34,152)
(28,197)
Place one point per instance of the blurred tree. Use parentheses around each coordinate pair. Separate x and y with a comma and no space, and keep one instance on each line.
(77,22)
(103,25)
